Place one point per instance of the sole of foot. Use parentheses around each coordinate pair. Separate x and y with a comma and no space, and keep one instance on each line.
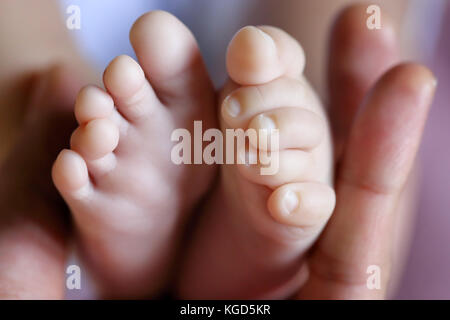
(129,200)
(257,227)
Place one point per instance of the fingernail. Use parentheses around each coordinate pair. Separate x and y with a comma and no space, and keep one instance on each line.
(290,202)
(232,107)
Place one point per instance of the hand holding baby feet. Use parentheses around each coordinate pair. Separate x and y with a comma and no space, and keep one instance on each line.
(378,114)
(257,227)
(128,199)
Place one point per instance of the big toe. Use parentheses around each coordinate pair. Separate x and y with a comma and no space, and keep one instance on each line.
(257,55)
(169,56)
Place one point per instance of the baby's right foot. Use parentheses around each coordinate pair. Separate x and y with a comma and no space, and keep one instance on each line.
(128,199)
(257,228)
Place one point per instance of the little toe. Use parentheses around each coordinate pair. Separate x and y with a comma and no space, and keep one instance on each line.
(306,205)
(70,175)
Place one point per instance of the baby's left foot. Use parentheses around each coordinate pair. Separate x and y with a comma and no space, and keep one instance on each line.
(258,226)
(129,200)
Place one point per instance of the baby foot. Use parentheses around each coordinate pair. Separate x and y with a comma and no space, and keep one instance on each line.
(128,199)
(256,228)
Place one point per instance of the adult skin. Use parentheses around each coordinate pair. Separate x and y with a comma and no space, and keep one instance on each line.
(40,74)
(378,124)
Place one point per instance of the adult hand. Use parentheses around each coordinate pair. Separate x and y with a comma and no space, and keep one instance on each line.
(378,124)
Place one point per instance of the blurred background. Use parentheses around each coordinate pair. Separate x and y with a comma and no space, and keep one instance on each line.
(423,33)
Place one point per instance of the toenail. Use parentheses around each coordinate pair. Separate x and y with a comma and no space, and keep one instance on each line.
(290,202)
(232,107)
(267,38)
(266,123)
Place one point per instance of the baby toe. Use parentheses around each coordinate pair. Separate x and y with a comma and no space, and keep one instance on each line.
(306,204)
(297,129)
(93,103)
(69,173)
(96,139)
(257,55)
